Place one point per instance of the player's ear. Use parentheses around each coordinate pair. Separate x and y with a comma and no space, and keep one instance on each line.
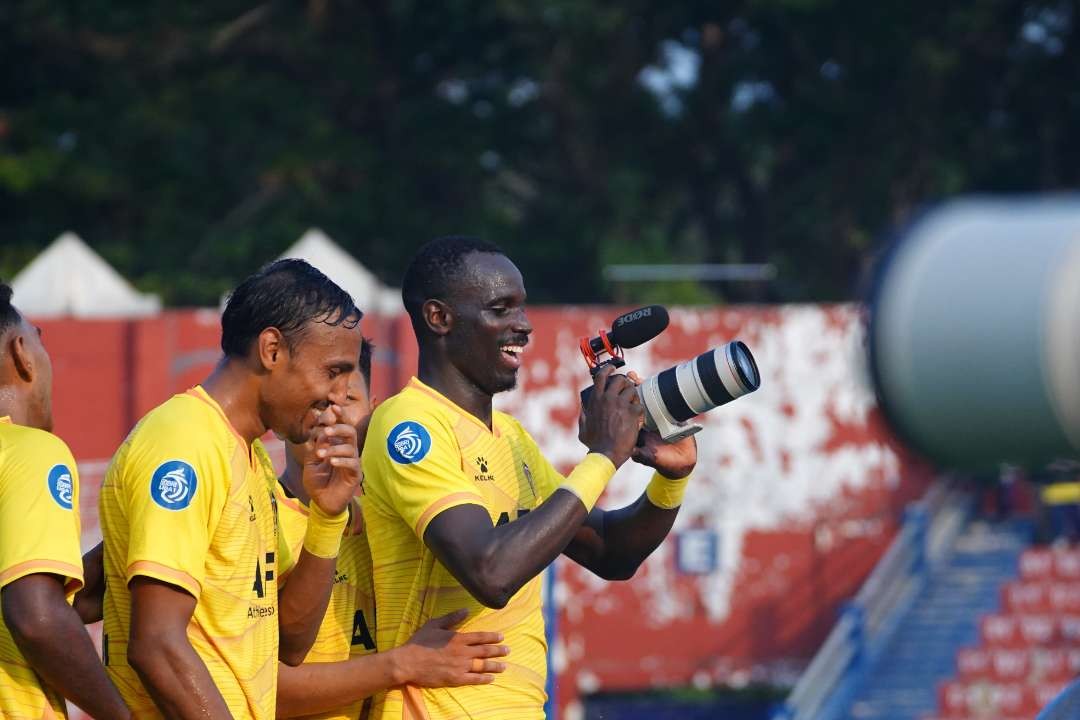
(438,316)
(20,357)
(272,348)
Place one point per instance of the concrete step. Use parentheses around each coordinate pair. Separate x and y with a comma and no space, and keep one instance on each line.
(903,684)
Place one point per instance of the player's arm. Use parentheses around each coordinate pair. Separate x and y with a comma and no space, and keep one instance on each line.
(90,600)
(331,477)
(52,638)
(39,557)
(160,652)
(435,656)
(614,543)
(170,531)
(493,563)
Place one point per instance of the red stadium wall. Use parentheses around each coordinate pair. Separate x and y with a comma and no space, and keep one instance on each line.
(799,485)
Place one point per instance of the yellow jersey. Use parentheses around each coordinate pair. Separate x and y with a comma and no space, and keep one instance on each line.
(1061,493)
(424,455)
(184,501)
(39,533)
(349,626)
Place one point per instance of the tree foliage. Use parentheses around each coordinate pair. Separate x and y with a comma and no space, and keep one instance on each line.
(188,142)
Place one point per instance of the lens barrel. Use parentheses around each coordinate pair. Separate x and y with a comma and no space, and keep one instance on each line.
(711,379)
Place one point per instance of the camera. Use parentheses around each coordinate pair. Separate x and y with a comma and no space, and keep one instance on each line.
(674,396)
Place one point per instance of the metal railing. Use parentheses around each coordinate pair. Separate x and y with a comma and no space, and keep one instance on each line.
(866,623)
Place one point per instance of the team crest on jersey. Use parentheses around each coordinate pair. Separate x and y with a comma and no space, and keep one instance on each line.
(173,485)
(408,442)
(61,486)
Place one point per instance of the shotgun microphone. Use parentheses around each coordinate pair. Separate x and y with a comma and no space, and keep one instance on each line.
(673,397)
(631,329)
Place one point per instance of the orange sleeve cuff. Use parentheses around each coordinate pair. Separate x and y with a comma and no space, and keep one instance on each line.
(445,503)
(157,571)
(72,574)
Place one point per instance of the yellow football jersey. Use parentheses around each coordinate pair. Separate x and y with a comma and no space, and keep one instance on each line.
(349,626)
(39,533)
(185,502)
(423,455)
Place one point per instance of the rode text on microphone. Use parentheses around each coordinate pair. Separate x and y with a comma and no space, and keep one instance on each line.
(629,330)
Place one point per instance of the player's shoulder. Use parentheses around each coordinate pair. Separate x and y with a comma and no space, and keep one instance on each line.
(184,419)
(508,425)
(32,441)
(415,401)
(411,405)
(28,451)
(180,446)
(410,426)
(506,422)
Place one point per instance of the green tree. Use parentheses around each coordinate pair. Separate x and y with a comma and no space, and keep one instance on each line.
(189,142)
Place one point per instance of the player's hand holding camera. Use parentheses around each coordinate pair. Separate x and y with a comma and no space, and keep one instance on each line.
(612,417)
(672,459)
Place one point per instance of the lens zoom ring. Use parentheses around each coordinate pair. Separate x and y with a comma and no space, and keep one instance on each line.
(673,399)
(710,378)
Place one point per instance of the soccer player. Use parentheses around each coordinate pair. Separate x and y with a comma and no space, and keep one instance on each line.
(45,652)
(461,508)
(192,609)
(342,671)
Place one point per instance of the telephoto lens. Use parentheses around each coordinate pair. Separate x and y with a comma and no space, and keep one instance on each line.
(713,378)
(975,332)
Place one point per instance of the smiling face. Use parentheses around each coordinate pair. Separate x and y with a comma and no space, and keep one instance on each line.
(490,329)
(305,380)
(356,410)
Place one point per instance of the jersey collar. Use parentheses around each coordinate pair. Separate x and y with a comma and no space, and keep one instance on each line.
(200,392)
(416,384)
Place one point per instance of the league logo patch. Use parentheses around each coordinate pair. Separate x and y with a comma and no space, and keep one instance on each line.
(60,486)
(408,442)
(173,485)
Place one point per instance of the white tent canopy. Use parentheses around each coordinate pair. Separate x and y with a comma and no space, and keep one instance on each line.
(70,279)
(369,294)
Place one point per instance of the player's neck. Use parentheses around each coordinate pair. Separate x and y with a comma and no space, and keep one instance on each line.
(13,406)
(234,388)
(442,376)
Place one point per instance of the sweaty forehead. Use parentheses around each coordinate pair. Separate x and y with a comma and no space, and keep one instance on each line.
(487,275)
(336,341)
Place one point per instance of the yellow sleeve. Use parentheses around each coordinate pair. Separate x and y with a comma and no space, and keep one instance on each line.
(175,490)
(39,511)
(415,466)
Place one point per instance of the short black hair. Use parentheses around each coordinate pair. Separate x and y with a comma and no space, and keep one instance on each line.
(366,349)
(435,270)
(286,294)
(9,316)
